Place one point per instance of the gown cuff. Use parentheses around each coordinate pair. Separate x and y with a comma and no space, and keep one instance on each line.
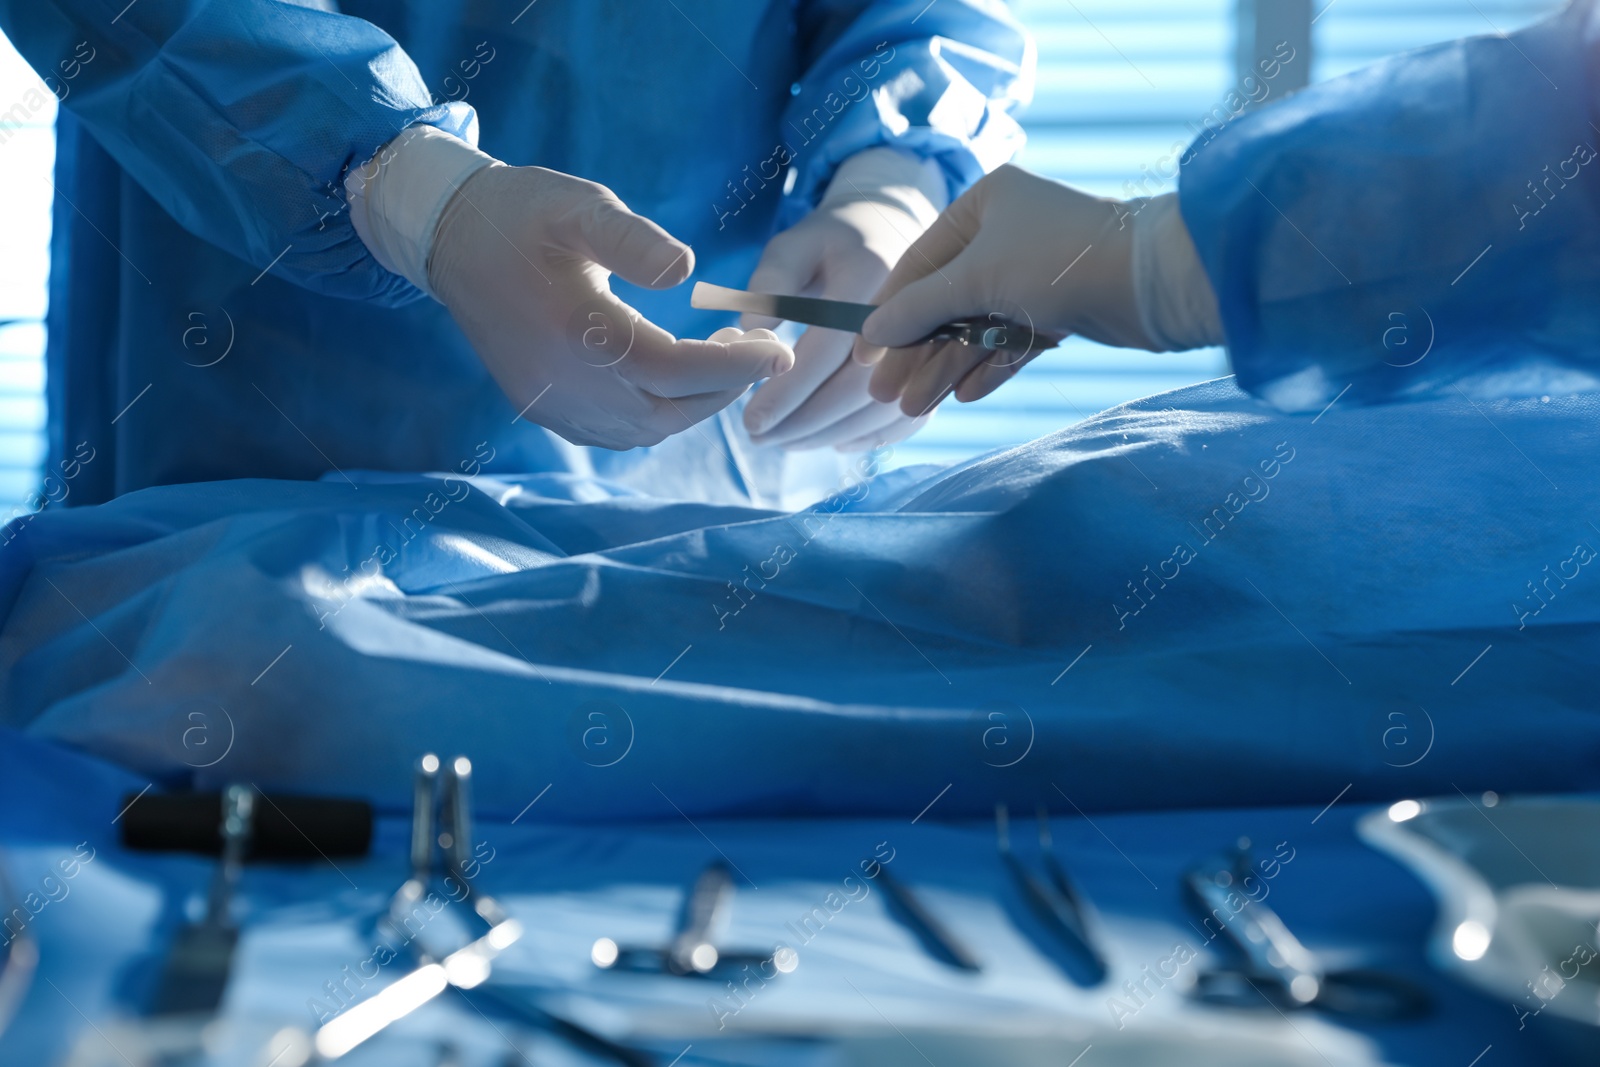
(397,196)
(1177,307)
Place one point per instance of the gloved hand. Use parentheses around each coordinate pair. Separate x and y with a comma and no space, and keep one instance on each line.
(878,202)
(522,256)
(1047,258)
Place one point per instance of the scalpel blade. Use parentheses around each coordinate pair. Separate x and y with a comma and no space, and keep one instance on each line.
(806,310)
(991,334)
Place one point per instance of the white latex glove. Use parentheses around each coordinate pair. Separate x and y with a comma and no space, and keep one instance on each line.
(522,257)
(1048,258)
(877,204)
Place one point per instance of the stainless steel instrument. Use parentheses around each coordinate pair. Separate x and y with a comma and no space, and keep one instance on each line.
(1056,904)
(197,966)
(933,934)
(1276,969)
(465,968)
(992,333)
(693,949)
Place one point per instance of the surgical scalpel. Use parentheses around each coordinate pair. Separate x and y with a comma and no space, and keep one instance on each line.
(995,334)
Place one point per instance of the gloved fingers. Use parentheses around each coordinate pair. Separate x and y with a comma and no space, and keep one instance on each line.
(868,420)
(894,371)
(729,334)
(676,414)
(692,367)
(629,245)
(936,378)
(892,434)
(818,355)
(952,293)
(932,258)
(665,366)
(791,265)
(985,378)
(1001,365)
(933,283)
(866,353)
(911,313)
(840,396)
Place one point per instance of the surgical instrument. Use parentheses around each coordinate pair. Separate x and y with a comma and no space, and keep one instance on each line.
(693,949)
(20,957)
(253,826)
(933,934)
(442,822)
(1277,968)
(282,826)
(997,334)
(1058,905)
(239,825)
(196,971)
(464,968)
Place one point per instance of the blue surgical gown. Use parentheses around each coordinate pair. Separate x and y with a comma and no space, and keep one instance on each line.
(1427,225)
(213,313)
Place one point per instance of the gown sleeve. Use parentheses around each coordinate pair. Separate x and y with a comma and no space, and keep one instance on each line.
(240,118)
(940,81)
(1429,224)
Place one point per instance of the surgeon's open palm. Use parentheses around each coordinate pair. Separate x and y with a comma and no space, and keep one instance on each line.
(523,258)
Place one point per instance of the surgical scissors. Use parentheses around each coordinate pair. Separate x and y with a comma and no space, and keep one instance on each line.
(1276,967)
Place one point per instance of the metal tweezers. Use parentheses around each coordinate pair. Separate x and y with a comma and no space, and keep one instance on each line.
(1057,904)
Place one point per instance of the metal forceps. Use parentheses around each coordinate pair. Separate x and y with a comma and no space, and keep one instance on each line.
(197,967)
(1056,903)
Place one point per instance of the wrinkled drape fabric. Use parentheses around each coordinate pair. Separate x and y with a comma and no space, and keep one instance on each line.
(1188,600)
